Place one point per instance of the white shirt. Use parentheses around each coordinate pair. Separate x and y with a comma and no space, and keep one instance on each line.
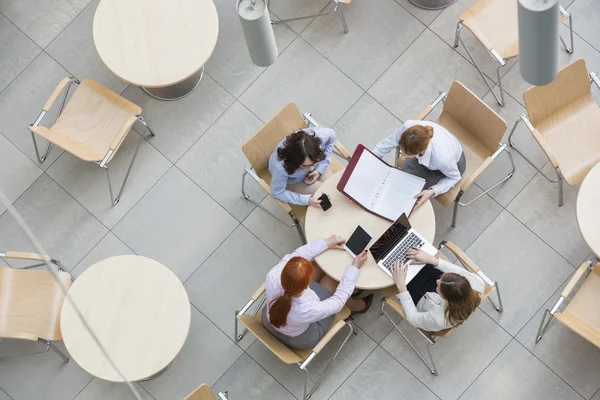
(443,153)
(308,308)
(429,314)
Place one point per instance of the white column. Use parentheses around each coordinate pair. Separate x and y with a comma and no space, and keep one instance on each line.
(258,31)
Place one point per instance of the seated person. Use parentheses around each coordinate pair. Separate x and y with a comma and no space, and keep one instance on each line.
(428,151)
(299,310)
(299,165)
(445,294)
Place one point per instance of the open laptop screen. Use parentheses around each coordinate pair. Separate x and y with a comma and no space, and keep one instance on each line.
(390,238)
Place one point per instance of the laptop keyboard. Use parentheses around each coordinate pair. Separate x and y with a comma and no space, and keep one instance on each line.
(411,241)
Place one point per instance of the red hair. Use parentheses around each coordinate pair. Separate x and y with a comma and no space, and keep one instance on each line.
(295,277)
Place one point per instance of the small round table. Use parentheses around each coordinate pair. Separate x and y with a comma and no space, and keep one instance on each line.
(588,214)
(342,218)
(160,45)
(139,311)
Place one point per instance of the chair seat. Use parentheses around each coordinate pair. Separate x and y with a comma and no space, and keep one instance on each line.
(584,305)
(574,138)
(92,119)
(475,154)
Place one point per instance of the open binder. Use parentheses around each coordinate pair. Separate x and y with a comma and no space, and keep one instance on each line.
(378,187)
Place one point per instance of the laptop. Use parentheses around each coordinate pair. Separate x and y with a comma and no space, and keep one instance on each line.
(394,242)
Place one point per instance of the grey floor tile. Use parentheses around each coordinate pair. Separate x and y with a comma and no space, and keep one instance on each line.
(242,261)
(230,64)
(178,124)
(3,395)
(417,77)
(216,161)
(102,390)
(22,101)
(374,325)
(279,237)
(517,374)
(74,49)
(286,9)
(177,224)
(109,246)
(537,207)
(567,354)
(36,377)
(381,377)
(586,14)
(42,20)
(16,51)
(205,357)
(471,220)
(22,171)
(303,76)
(246,379)
(87,183)
(504,252)
(380,30)
(65,229)
(460,357)
(354,352)
(425,16)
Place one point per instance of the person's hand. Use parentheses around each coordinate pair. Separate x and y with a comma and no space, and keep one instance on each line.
(399,275)
(360,259)
(312,177)
(420,256)
(423,196)
(313,201)
(335,242)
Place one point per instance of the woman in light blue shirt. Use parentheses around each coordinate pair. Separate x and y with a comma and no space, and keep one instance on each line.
(300,164)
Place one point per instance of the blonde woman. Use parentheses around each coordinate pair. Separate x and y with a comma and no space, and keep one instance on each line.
(428,151)
(441,296)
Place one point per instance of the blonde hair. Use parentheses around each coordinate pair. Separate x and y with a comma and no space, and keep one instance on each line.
(461,299)
(415,139)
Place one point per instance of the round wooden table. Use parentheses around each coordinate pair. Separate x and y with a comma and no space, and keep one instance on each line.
(139,311)
(342,218)
(160,45)
(588,214)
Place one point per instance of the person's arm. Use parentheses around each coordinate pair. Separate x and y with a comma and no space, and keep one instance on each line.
(279,181)
(452,177)
(334,304)
(389,143)
(308,251)
(475,280)
(423,320)
(327,137)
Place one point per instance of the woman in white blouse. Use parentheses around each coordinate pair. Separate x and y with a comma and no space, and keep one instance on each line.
(299,310)
(428,151)
(441,296)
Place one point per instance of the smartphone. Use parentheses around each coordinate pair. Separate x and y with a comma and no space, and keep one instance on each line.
(358,241)
(325,202)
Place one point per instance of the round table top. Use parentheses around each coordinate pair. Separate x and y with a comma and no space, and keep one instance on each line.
(342,219)
(588,214)
(138,309)
(155,43)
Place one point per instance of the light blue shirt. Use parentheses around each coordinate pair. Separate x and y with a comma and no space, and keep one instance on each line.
(280,178)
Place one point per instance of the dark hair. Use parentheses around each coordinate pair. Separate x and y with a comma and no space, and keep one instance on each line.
(296,147)
(461,299)
(295,277)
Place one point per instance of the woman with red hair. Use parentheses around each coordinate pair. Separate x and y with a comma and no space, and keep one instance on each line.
(299,310)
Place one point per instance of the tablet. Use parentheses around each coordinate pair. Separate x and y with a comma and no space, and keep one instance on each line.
(358,241)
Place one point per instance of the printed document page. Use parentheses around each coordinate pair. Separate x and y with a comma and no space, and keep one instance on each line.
(398,195)
(367,179)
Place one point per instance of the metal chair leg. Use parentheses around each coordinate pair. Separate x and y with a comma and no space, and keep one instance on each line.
(459,26)
(338,7)
(456,203)
(546,318)
(499,307)
(500,85)
(306,376)
(49,346)
(237,337)
(572,47)
(57,351)
(560,186)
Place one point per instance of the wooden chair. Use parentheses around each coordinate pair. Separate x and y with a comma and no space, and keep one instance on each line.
(302,358)
(31,302)
(389,299)
(336,8)
(259,148)
(479,130)
(92,126)
(494,24)
(564,120)
(581,314)
(203,392)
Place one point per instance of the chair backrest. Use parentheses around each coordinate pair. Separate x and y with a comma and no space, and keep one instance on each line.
(255,326)
(30,304)
(259,147)
(203,392)
(465,108)
(558,99)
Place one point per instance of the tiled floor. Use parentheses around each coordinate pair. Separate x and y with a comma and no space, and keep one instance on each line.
(183,206)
